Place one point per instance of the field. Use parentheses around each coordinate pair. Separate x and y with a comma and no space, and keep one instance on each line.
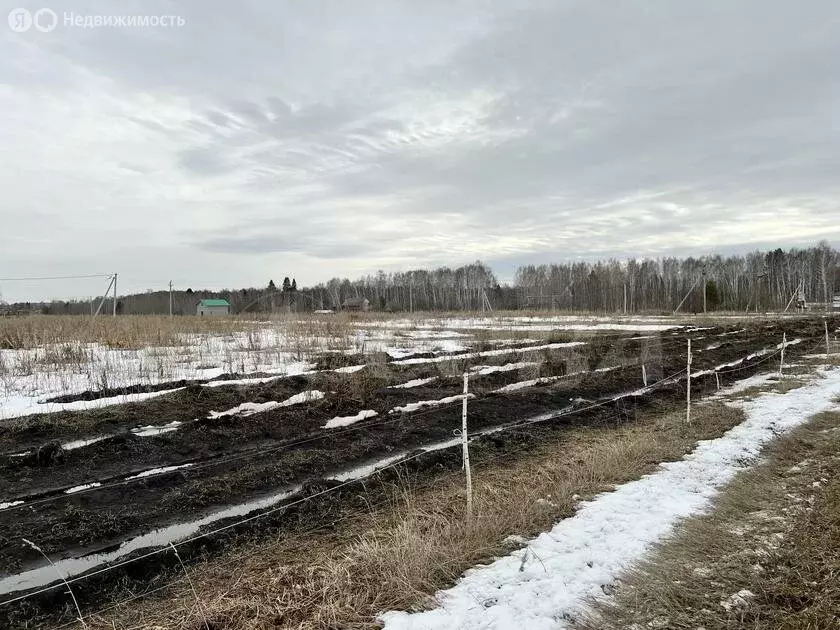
(120,437)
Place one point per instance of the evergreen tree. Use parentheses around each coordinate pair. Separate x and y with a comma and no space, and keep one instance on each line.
(287,285)
(294,284)
(271,286)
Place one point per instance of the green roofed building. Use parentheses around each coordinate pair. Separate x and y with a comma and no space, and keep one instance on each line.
(213,307)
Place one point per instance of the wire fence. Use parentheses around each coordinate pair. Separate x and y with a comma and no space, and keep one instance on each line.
(378,471)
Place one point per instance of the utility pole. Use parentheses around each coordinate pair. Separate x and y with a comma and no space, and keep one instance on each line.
(114,312)
(625,298)
(170,298)
(704,290)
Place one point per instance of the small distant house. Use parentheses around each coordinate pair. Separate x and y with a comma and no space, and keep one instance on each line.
(356,304)
(213,307)
(835,302)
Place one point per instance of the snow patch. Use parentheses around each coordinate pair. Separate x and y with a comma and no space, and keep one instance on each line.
(350,369)
(250,408)
(150,429)
(429,403)
(343,421)
(417,382)
(483,370)
(583,553)
(76,489)
(489,353)
(157,471)
(3,506)
(71,446)
(156,429)
(17,406)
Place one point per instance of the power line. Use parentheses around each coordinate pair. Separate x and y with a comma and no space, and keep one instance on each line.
(98,275)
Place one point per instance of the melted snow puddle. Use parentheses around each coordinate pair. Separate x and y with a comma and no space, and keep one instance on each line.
(98,484)
(70,567)
(161,537)
(343,421)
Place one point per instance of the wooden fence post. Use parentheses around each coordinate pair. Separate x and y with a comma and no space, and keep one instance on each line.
(688,386)
(465,445)
(782,361)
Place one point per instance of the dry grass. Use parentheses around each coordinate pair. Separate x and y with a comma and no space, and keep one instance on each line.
(71,353)
(398,554)
(774,537)
(126,332)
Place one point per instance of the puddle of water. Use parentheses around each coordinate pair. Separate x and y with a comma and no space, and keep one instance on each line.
(70,567)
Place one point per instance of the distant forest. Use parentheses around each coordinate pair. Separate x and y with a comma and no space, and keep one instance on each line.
(757,281)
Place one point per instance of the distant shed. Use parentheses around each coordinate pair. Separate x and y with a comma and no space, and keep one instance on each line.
(356,304)
(213,307)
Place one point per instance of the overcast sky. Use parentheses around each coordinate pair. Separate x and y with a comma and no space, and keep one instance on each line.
(316,138)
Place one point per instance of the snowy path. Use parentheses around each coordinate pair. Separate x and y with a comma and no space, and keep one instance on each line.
(581,554)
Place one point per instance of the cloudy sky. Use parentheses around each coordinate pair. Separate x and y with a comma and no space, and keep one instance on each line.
(316,138)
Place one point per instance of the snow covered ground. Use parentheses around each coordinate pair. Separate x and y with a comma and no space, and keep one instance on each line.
(545,584)
(30,376)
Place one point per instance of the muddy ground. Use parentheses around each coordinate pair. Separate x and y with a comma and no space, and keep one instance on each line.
(236,459)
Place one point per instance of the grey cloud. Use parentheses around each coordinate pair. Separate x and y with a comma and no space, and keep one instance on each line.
(381,131)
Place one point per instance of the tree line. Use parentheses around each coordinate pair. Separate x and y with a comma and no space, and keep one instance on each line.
(757,281)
